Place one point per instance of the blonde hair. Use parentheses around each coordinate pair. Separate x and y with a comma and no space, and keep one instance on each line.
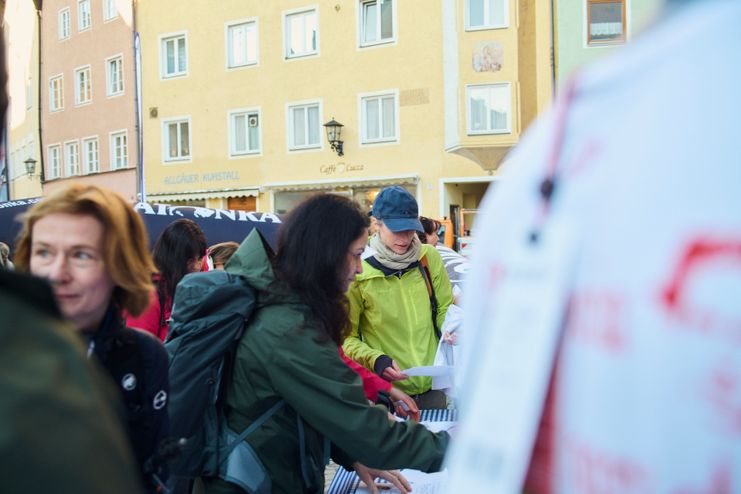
(125,247)
(221,253)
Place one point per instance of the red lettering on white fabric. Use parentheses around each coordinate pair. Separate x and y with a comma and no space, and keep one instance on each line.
(587,156)
(597,318)
(720,483)
(594,471)
(704,260)
(496,274)
(722,390)
(540,476)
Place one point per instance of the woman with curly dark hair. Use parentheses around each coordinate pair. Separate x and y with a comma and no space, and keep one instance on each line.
(289,359)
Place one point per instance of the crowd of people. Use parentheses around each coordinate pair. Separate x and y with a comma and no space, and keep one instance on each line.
(298,347)
(600,334)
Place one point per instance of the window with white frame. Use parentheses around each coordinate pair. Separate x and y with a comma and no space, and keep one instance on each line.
(244,132)
(241,44)
(301,33)
(56,93)
(84,20)
(55,158)
(489,109)
(378,118)
(119,150)
(63,30)
(376,22)
(90,155)
(109,10)
(176,139)
(114,75)
(303,126)
(174,56)
(83,86)
(72,158)
(486,14)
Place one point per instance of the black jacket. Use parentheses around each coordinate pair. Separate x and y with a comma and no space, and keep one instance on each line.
(137,362)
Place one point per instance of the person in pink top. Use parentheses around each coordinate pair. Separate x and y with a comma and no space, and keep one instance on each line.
(179,250)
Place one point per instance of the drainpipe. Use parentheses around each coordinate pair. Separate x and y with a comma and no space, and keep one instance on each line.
(140,187)
(553,48)
(39,98)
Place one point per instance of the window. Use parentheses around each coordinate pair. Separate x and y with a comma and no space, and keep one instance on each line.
(241,44)
(90,155)
(174,56)
(84,19)
(378,116)
(606,21)
(83,86)
(54,161)
(303,126)
(72,158)
(376,22)
(489,109)
(176,140)
(244,132)
(486,14)
(114,75)
(119,150)
(109,10)
(63,32)
(56,93)
(301,34)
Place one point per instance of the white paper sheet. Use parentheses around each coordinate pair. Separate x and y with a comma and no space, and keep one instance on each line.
(438,426)
(430,370)
(422,483)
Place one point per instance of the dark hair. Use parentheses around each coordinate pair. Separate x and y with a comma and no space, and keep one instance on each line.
(430,226)
(313,243)
(178,244)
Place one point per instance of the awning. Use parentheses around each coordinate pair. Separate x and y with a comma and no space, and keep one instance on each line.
(203,194)
(342,183)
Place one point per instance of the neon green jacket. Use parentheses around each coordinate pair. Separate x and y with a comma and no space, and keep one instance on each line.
(392,316)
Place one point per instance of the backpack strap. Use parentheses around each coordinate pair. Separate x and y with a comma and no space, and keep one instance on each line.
(254,425)
(302,452)
(424,268)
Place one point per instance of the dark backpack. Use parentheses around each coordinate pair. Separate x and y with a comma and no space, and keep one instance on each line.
(210,311)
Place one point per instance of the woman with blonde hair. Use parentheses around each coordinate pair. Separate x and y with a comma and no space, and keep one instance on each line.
(219,254)
(92,247)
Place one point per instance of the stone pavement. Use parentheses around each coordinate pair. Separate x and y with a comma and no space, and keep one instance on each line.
(329,474)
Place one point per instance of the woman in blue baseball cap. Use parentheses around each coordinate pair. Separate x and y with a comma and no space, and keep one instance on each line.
(399,302)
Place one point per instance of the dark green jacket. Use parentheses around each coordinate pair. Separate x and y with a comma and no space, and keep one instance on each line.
(280,357)
(60,416)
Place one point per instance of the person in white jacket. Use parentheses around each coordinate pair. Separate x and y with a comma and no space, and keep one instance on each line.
(604,318)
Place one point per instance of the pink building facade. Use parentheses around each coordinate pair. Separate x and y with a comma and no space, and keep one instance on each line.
(88,96)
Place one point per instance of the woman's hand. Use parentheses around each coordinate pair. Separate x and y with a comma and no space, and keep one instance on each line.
(368,476)
(450,338)
(393,373)
(404,404)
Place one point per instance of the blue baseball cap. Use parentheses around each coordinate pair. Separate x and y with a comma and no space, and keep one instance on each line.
(398,210)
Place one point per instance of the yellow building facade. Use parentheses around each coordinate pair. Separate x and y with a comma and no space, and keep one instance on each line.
(21,31)
(431,95)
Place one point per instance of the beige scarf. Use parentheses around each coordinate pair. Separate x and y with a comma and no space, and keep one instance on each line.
(391,259)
